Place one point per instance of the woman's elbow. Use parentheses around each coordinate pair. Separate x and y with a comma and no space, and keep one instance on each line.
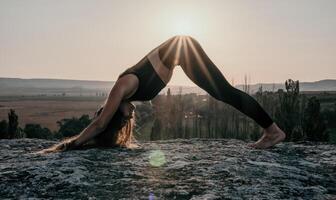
(99,125)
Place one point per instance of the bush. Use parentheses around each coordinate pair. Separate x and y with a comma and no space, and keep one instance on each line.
(73,126)
(313,124)
(3,129)
(36,131)
(13,125)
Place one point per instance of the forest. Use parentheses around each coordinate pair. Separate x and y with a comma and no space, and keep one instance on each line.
(188,116)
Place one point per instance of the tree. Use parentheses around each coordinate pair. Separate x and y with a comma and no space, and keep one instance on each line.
(73,126)
(36,131)
(313,125)
(156,130)
(13,125)
(288,114)
(4,129)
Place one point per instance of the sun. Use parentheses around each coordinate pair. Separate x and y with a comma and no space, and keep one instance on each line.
(180,24)
(184,27)
(183,20)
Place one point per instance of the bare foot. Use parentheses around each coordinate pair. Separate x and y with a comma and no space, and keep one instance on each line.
(272,136)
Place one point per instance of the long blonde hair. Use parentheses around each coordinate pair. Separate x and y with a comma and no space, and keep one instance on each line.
(118,132)
(124,137)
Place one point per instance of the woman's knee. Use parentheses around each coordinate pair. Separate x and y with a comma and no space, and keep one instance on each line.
(178,40)
(175,37)
(226,93)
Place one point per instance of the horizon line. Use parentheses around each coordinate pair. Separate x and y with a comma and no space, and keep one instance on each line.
(326,79)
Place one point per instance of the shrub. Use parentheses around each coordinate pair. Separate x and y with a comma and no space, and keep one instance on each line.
(36,131)
(3,129)
(73,126)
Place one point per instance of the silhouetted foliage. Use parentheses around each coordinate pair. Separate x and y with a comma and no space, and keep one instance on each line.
(192,115)
(13,125)
(288,113)
(4,129)
(68,127)
(73,126)
(329,117)
(313,124)
(37,131)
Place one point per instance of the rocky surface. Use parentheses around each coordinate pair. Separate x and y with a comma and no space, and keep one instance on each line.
(172,169)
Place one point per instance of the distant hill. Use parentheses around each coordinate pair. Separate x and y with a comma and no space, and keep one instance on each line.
(322,85)
(53,83)
(19,86)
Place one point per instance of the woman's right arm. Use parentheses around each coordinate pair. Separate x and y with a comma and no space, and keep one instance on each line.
(99,124)
(124,86)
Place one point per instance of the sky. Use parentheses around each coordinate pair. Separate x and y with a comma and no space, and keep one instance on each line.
(268,41)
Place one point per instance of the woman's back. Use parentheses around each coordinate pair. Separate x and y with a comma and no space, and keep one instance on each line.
(152,74)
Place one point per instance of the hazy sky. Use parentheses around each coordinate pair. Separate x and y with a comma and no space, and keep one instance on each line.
(268,40)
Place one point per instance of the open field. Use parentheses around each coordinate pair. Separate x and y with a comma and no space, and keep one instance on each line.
(48,110)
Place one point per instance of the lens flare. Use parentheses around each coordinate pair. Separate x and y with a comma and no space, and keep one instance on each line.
(157,158)
(151,196)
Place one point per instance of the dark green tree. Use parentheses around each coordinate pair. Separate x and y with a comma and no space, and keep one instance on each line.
(288,114)
(313,125)
(329,117)
(36,131)
(13,125)
(4,129)
(156,130)
(73,126)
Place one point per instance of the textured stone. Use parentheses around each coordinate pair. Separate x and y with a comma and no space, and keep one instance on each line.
(191,169)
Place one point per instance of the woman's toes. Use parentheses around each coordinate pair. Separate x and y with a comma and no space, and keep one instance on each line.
(253,145)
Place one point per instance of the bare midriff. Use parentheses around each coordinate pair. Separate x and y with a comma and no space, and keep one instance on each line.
(163,72)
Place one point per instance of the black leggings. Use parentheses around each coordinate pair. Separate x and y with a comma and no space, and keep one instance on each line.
(188,53)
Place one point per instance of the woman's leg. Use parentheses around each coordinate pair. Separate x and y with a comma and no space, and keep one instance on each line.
(188,53)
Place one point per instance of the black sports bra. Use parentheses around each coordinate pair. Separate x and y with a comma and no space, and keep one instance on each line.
(150,84)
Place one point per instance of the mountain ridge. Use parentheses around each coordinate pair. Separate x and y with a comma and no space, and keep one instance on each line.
(33,86)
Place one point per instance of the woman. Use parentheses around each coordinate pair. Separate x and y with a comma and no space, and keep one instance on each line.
(152,73)
(118,133)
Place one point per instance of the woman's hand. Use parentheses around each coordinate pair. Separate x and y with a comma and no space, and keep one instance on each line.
(63,146)
(67,145)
